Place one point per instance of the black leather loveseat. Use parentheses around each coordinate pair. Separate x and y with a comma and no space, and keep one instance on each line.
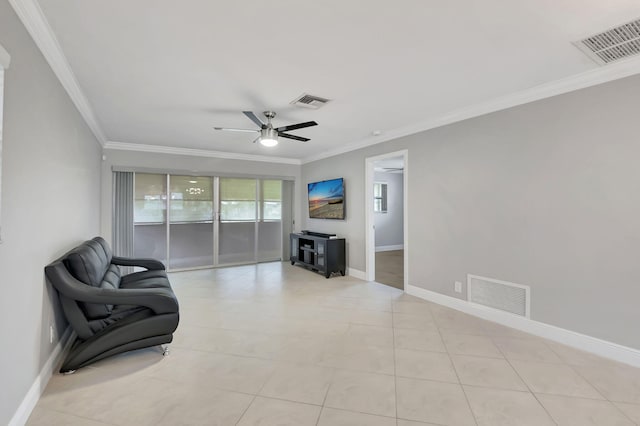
(109,312)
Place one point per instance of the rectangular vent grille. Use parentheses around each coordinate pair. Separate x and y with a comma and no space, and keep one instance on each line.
(502,295)
(309,101)
(612,45)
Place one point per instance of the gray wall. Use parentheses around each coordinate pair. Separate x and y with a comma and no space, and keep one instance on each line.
(188,165)
(50,202)
(389,225)
(348,167)
(545,194)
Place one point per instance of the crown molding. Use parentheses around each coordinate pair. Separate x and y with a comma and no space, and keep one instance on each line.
(124,146)
(33,19)
(5,58)
(583,80)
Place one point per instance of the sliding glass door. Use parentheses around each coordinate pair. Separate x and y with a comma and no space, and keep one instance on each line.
(190,222)
(238,215)
(203,221)
(150,216)
(270,221)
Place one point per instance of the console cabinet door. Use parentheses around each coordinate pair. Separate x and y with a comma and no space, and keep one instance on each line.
(321,254)
(294,248)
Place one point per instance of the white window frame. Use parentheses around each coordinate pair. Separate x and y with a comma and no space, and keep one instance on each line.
(5,59)
(384,198)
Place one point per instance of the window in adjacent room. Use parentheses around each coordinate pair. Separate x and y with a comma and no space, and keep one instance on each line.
(380,197)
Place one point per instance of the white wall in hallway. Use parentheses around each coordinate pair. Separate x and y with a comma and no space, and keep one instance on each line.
(389,225)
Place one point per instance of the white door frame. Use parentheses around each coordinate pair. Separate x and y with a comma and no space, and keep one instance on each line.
(370,235)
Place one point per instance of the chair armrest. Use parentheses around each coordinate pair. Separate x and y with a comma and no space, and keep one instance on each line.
(159,300)
(150,264)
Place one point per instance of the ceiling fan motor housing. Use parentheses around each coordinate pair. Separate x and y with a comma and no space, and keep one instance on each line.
(268,133)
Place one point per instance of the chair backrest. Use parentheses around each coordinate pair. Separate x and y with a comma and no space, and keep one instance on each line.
(90,263)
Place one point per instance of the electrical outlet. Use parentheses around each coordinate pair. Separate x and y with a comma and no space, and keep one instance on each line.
(51,334)
(457,287)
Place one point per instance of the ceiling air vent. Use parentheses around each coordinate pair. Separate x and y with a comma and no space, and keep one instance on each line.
(612,45)
(309,101)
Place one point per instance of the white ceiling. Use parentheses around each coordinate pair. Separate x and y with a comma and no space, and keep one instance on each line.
(163,72)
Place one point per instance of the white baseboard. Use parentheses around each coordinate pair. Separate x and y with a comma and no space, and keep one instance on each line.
(390,248)
(356,274)
(40,383)
(583,342)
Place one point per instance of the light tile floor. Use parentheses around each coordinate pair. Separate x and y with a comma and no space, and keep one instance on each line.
(274,344)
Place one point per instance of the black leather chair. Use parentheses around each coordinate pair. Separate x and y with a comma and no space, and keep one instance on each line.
(111,313)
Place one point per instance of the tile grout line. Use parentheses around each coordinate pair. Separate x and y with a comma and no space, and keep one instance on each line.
(256,395)
(592,385)
(577,372)
(326,394)
(78,416)
(324,400)
(446,348)
(247,339)
(527,384)
(395,373)
(246,409)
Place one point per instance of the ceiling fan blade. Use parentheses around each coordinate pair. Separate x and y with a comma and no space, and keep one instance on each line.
(257,139)
(297,138)
(296,126)
(253,118)
(236,130)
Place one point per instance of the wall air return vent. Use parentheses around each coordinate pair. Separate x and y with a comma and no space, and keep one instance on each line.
(502,295)
(309,101)
(612,45)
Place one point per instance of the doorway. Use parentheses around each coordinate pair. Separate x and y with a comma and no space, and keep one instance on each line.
(386,219)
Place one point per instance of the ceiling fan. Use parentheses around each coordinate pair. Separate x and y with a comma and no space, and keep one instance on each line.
(268,134)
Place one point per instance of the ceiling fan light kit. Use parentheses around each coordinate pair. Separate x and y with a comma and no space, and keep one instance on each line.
(268,134)
(268,137)
(268,142)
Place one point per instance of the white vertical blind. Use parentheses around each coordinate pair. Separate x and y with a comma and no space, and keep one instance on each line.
(4,58)
(4,64)
(1,115)
(123,214)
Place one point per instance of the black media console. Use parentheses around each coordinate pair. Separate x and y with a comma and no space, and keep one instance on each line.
(319,253)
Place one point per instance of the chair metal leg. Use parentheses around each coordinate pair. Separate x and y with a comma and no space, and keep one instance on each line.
(69,372)
(165,350)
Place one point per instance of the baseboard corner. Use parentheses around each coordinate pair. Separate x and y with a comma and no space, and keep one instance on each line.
(390,248)
(32,396)
(356,274)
